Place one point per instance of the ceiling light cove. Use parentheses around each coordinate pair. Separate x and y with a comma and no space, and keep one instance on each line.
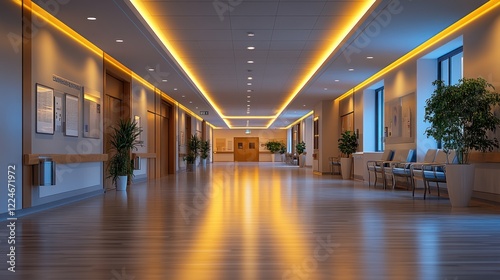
(336,35)
(163,36)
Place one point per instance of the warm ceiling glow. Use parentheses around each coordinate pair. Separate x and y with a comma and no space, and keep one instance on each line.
(150,20)
(445,34)
(336,36)
(59,25)
(299,120)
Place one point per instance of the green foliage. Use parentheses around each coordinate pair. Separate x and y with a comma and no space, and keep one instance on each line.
(282,149)
(193,147)
(124,137)
(461,116)
(348,143)
(204,149)
(275,146)
(300,147)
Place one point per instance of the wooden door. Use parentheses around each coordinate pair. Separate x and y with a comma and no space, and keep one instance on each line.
(164,139)
(151,145)
(246,149)
(113,111)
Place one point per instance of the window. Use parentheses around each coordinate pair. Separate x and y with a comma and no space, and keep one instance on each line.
(450,66)
(450,70)
(379,119)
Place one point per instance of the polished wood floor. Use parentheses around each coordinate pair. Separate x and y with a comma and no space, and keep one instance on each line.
(257,221)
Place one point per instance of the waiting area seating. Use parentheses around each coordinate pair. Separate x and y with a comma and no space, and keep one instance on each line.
(402,170)
(433,172)
(375,166)
(334,165)
(384,168)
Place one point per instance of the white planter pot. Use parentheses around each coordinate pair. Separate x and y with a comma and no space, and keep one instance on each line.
(460,183)
(273,157)
(121,183)
(203,162)
(302,160)
(346,168)
(190,167)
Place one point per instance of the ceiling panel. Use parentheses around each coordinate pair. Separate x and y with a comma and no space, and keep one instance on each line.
(289,36)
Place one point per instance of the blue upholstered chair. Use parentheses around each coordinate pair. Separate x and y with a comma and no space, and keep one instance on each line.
(432,172)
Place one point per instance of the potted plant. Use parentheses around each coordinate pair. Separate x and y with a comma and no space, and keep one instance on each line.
(461,117)
(347,143)
(274,147)
(282,152)
(123,139)
(301,150)
(204,152)
(192,152)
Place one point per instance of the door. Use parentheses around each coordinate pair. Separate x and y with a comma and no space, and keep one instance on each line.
(113,111)
(151,145)
(164,139)
(246,149)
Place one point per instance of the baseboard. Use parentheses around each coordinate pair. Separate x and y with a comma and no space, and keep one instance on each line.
(50,205)
(486,196)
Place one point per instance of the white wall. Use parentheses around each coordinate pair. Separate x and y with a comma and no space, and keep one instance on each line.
(11,105)
(55,54)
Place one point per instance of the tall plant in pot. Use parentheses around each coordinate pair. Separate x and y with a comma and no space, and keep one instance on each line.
(461,117)
(274,147)
(193,148)
(347,143)
(301,150)
(204,152)
(124,139)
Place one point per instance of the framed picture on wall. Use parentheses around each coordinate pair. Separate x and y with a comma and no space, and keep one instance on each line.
(347,122)
(71,115)
(44,109)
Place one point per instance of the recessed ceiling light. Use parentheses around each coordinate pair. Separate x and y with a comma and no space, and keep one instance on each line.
(249,90)
(119,40)
(151,69)
(196,107)
(248,105)
(191,102)
(304,105)
(248,113)
(337,81)
(250,61)
(350,69)
(250,34)
(248,96)
(176,89)
(249,84)
(250,78)
(248,101)
(183,96)
(251,48)
(164,80)
(91,18)
(369,57)
(325,89)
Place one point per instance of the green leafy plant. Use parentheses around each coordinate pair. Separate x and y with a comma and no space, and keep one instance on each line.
(461,116)
(274,146)
(204,149)
(123,140)
(300,147)
(282,149)
(192,149)
(347,143)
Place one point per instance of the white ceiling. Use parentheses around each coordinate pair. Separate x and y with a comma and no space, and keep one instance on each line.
(289,34)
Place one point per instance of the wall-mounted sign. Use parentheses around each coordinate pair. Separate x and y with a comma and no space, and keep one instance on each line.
(44,109)
(203,113)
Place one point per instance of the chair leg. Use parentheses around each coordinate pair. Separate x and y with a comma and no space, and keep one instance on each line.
(426,186)
(369,178)
(437,186)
